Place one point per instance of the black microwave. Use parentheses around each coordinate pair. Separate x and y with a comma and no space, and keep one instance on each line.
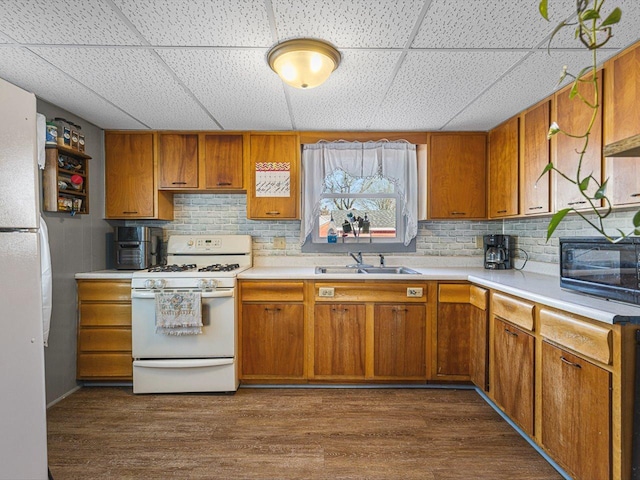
(598,267)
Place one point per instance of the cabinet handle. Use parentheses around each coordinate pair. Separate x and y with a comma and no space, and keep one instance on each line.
(339,309)
(274,212)
(635,195)
(458,213)
(501,211)
(513,334)
(398,309)
(178,183)
(267,309)
(564,360)
(577,203)
(223,184)
(130,212)
(536,208)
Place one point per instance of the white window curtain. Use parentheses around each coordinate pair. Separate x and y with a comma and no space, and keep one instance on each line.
(395,161)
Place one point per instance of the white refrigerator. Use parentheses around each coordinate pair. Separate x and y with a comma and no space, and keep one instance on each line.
(23,425)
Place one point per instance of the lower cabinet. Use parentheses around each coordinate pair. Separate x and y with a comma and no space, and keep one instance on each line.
(272,331)
(104,330)
(479,338)
(576,413)
(513,380)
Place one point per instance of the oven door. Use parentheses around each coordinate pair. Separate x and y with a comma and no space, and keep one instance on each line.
(219,330)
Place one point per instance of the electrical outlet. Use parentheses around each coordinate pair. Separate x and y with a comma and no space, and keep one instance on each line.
(279,243)
(414,292)
(326,292)
(479,241)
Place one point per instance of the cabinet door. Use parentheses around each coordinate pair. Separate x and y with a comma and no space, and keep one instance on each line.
(223,156)
(129,176)
(514,373)
(456,176)
(339,340)
(622,97)
(273,340)
(573,116)
(624,180)
(177,161)
(399,341)
(274,190)
(478,351)
(453,339)
(535,156)
(504,144)
(576,413)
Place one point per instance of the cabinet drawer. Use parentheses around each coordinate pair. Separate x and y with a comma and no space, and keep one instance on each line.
(105,314)
(105,340)
(454,293)
(105,365)
(112,290)
(404,292)
(515,311)
(590,340)
(272,291)
(478,297)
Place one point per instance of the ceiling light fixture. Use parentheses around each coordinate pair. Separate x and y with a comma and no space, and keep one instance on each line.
(304,62)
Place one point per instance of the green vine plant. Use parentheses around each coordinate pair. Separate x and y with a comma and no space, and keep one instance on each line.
(594,30)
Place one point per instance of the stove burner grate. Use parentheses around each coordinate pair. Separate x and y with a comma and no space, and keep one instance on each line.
(220,268)
(172,268)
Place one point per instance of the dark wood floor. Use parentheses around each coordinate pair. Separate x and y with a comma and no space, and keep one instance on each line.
(105,432)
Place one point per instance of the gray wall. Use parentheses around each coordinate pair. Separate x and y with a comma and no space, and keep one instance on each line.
(77,245)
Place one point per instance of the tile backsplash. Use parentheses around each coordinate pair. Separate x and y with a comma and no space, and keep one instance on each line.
(226,214)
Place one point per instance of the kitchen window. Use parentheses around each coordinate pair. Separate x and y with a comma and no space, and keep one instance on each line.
(368,189)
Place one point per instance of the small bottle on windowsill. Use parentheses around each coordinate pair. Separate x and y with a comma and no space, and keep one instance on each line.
(332,232)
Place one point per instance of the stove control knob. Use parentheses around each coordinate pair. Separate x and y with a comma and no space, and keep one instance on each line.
(203,284)
(161,283)
(150,284)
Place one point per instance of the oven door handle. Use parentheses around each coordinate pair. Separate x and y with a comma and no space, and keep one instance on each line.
(212,294)
(184,363)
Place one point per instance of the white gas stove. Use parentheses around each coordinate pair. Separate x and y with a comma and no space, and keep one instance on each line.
(202,269)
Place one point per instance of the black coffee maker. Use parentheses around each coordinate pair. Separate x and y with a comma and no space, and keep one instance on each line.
(498,252)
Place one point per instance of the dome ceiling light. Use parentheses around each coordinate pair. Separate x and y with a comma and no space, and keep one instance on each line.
(304,62)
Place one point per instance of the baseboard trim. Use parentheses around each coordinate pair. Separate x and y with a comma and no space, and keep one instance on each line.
(63,396)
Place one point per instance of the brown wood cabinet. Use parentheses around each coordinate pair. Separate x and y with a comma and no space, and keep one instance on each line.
(59,194)
(130,185)
(513,380)
(534,156)
(399,333)
(272,331)
(339,341)
(223,161)
(573,116)
(576,413)
(456,176)
(479,337)
(274,152)
(104,330)
(177,161)
(503,169)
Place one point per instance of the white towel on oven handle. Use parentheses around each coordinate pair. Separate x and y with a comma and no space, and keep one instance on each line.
(179,313)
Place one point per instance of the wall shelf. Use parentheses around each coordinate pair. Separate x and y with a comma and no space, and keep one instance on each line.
(59,193)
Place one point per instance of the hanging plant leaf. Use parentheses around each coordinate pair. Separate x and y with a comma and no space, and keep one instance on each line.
(544,10)
(590,14)
(636,219)
(574,88)
(584,184)
(613,18)
(546,169)
(602,191)
(555,221)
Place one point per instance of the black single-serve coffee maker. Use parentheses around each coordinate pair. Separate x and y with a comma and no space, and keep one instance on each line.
(498,252)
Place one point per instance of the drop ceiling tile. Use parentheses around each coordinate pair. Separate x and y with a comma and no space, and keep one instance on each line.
(348,23)
(433,86)
(625,33)
(478,24)
(235,85)
(200,22)
(136,81)
(351,96)
(21,67)
(533,80)
(75,22)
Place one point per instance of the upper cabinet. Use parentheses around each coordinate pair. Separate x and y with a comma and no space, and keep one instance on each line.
(130,189)
(503,169)
(534,157)
(177,161)
(456,176)
(201,162)
(273,191)
(621,104)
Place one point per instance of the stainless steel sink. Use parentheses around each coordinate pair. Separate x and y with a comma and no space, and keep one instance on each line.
(366,270)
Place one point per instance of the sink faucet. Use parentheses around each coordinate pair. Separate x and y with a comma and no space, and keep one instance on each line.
(357,258)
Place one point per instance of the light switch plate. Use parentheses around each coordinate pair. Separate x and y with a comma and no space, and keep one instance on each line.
(415,292)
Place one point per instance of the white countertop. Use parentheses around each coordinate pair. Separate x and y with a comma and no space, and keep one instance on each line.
(536,287)
(105,275)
